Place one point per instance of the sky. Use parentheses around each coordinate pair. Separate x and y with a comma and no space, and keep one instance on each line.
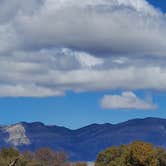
(73,63)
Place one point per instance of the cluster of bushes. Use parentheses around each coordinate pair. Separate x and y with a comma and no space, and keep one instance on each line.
(42,157)
(134,154)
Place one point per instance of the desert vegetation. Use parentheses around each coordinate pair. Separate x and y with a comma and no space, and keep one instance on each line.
(42,157)
(135,154)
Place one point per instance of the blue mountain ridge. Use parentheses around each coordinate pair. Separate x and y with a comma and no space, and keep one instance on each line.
(85,143)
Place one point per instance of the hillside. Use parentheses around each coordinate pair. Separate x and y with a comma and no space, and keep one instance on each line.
(84,143)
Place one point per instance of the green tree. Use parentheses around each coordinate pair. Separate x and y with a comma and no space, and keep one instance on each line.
(142,154)
(108,157)
(161,156)
(12,157)
(135,154)
(42,157)
(8,155)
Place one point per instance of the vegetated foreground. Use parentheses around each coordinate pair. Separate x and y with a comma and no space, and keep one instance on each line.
(42,157)
(135,154)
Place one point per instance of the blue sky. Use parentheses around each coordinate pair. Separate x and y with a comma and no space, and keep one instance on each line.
(73,110)
(107,68)
(159,4)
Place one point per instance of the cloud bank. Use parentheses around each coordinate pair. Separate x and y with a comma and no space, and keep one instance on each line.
(127,100)
(48,47)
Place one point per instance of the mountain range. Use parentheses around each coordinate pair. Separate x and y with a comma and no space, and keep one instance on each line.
(85,143)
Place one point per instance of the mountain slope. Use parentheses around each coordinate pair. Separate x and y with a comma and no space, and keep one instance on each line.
(84,143)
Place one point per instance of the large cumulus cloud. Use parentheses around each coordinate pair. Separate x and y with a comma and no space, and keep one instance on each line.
(101,27)
(50,46)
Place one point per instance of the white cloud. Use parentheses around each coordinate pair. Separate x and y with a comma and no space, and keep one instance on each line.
(50,46)
(96,26)
(27,91)
(59,70)
(127,100)
(10,9)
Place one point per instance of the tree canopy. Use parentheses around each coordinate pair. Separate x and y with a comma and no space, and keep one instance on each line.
(135,154)
(42,157)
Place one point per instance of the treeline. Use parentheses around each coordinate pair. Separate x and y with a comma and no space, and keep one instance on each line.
(134,154)
(42,157)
